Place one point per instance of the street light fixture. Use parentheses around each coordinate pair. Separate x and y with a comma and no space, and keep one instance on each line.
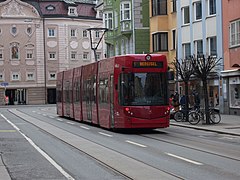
(94,47)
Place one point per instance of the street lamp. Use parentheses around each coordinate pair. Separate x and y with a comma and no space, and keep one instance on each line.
(94,47)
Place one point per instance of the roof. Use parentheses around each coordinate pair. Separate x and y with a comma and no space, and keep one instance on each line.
(59,8)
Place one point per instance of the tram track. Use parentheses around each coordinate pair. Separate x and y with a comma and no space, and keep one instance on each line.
(181,138)
(128,167)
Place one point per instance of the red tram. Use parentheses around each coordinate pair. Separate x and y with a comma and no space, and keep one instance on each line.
(129,91)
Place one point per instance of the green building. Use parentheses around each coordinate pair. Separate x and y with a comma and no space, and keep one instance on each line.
(128,26)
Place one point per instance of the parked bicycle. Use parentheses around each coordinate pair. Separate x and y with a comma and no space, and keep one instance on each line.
(215,116)
(193,116)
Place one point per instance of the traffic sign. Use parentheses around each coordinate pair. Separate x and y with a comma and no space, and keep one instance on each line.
(4,84)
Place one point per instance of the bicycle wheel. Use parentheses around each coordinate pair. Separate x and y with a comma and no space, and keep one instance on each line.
(194,118)
(215,118)
(178,116)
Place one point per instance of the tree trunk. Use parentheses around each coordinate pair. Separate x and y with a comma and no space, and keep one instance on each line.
(206,101)
(187,100)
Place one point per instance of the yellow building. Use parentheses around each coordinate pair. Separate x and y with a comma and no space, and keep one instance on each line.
(163,31)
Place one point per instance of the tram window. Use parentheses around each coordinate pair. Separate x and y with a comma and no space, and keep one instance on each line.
(103,90)
(143,89)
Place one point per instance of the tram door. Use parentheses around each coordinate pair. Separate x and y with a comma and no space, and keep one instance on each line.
(111,101)
(89,100)
(67,100)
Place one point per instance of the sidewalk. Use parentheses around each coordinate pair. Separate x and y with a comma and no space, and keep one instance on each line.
(229,124)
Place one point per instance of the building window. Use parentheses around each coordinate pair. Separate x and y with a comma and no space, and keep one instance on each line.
(160,41)
(14,30)
(72,11)
(14,52)
(1,54)
(29,54)
(29,30)
(199,47)
(186,17)
(174,39)
(85,56)
(73,55)
(85,33)
(125,11)
(15,76)
(186,50)
(51,32)
(50,8)
(234,95)
(174,5)
(108,19)
(98,56)
(159,7)
(198,10)
(97,34)
(30,76)
(1,77)
(213,46)
(73,32)
(212,7)
(235,33)
(52,56)
(52,76)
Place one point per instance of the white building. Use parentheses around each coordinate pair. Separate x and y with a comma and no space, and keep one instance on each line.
(199,28)
(37,40)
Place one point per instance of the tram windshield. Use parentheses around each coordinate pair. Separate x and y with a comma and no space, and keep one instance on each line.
(143,89)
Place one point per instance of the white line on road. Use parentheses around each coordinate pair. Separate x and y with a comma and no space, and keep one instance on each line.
(71,123)
(134,143)
(59,120)
(58,167)
(51,117)
(84,127)
(184,159)
(108,135)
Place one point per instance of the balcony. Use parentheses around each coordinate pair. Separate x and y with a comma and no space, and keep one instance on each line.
(126,26)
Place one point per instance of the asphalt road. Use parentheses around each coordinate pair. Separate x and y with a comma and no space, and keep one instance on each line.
(87,152)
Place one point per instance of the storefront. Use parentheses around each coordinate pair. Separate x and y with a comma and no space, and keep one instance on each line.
(231,91)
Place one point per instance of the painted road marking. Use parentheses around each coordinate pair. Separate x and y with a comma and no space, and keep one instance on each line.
(134,143)
(60,120)
(58,167)
(70,123)
(104,134)
(6,130)
(184,159)
(84,127)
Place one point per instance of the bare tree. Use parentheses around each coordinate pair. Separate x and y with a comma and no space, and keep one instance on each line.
(184,70)
(203,66)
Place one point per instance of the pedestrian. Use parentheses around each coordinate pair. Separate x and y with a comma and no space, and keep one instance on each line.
(6,100)
(183,101)
(176,101)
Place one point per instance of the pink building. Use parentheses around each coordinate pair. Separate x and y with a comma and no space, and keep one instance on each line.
(231,55)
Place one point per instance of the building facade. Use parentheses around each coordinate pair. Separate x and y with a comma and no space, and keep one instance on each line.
(37,40)
(163,30)
(199,28)
(231,51)
(128,27)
